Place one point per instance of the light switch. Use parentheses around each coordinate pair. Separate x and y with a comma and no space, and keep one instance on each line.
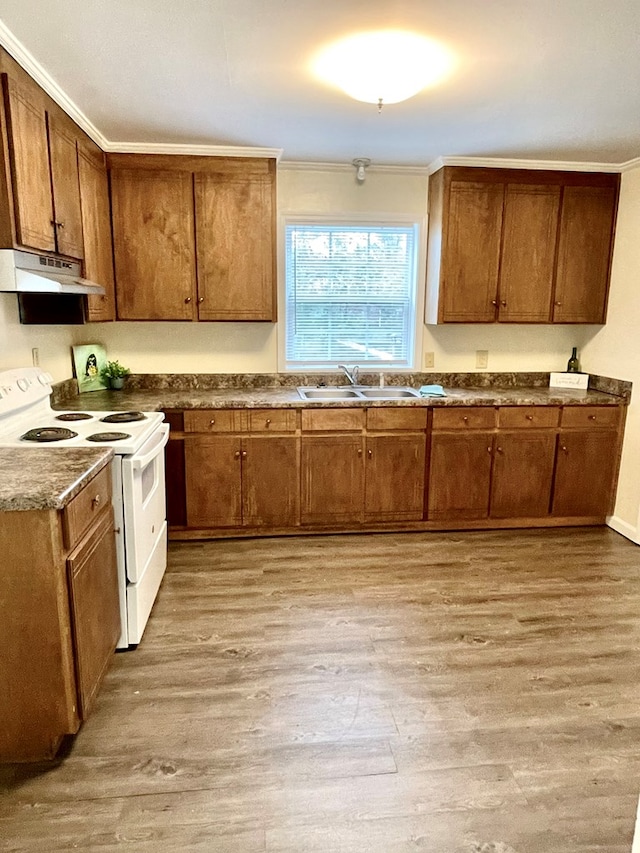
(482,358)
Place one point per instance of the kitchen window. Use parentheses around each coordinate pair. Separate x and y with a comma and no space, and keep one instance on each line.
(350,294)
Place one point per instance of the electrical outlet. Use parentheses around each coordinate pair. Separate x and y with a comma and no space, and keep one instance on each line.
(482,358)
(428,359)
(35,356)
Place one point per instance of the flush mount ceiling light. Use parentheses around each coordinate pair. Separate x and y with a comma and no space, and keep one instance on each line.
(383,67)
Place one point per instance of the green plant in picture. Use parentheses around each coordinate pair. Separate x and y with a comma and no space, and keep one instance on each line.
(114,374)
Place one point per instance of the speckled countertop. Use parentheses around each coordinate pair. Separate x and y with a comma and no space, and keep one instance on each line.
(256,398)
(47,478)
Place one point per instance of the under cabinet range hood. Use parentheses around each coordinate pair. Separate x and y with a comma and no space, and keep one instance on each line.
(27,272)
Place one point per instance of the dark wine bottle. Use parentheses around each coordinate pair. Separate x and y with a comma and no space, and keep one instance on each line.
(573,365)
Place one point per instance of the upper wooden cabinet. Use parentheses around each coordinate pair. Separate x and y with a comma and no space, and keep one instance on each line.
(194,237)
(519,246)
(45,192)
(96,228)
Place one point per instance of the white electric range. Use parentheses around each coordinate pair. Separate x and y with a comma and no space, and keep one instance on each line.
(138,440)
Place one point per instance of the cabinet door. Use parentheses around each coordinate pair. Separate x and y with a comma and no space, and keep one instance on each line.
(528,253)
(332,477)
(586,466)
(66,188)
(29,156)
(394,477)
(235,240)
(471,252)
(213,480)
(584,254)
(93,583)
(459,475)
(96,230)
(153,244)
(271,481)
(522,474)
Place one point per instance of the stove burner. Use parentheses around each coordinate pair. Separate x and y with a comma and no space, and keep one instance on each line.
(74,416)
(108,436)
(48,434)
(123,417)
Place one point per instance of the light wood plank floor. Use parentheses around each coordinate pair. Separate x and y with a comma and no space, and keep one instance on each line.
(441,693)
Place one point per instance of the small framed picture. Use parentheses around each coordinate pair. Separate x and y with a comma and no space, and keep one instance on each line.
(88,361)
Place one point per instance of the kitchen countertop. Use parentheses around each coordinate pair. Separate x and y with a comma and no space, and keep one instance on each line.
(257,398)
(47,478)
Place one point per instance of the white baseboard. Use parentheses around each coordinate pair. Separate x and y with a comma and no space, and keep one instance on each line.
(636,836)
(625,529)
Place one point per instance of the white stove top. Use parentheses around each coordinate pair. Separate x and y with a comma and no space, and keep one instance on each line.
(25,408)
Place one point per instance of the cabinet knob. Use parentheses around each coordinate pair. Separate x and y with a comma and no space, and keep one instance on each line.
(488,450)
(564,448)
(267,422)
(96,501)
(236,455)
(200,300)
(187,300)
(212,422)
(244,454)
(558,304)
(494,302)
(57,223)
(529,417)
(499,450)
(465,419)
(359,451)
(592,417)
(370,454)
(503,302)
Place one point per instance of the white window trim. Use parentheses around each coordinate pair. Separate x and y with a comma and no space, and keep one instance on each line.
(354,219)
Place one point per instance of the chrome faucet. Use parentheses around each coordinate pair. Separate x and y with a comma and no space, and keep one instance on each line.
(352,375)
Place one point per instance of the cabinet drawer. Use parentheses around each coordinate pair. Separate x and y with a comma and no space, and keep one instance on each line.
(394,418)
(272,420)
(339,420)
(597,417)
(214,420)
(82,511)
(465,417)
(516,417)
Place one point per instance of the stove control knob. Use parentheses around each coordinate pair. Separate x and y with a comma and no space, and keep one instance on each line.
(42,378)
(23,384)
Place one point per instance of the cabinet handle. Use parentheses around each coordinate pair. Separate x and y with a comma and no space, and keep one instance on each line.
(236,455)
(187,300)
(359,451)
(564,448)
(592,417)
(488,450)
(494,302)
(558,304)
(267,422)
(370,454)
(465,419)
(529,417)
(244,454)
(57,224)
(212,422)
(499,450)
(503,303)
(200,299)
(96,501)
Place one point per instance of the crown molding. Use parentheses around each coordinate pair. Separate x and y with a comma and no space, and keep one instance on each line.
(630,164)
(31,65)
(307,166)
(551,165)
(194,150)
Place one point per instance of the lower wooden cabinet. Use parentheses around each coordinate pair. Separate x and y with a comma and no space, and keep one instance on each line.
(58,637)
(362,468)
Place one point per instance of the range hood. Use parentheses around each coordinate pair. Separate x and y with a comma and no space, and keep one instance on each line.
(27,272)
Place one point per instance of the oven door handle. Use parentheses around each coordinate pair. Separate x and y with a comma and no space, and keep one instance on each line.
(161,437)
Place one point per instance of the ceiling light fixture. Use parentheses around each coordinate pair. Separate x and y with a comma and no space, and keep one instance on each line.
(383,67)
(361,163)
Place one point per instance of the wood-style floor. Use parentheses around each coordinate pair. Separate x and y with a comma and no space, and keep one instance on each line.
(433,693)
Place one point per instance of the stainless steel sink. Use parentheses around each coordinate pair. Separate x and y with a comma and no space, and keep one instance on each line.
(328,394)
(387,393)
(325,393)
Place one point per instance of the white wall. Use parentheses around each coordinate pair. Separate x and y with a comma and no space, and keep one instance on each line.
(615,348)
(16,341)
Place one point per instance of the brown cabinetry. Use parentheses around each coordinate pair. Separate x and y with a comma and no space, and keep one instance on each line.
(587,461)
(44,171)
(241,469)
(519,246)
(61,628)
(96,230)
(169,211)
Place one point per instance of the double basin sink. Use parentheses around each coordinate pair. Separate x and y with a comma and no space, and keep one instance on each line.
(356,393)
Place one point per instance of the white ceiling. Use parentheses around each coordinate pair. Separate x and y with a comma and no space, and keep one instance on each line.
(536,79)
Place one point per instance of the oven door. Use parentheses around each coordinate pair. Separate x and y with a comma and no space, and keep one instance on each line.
(143,493)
